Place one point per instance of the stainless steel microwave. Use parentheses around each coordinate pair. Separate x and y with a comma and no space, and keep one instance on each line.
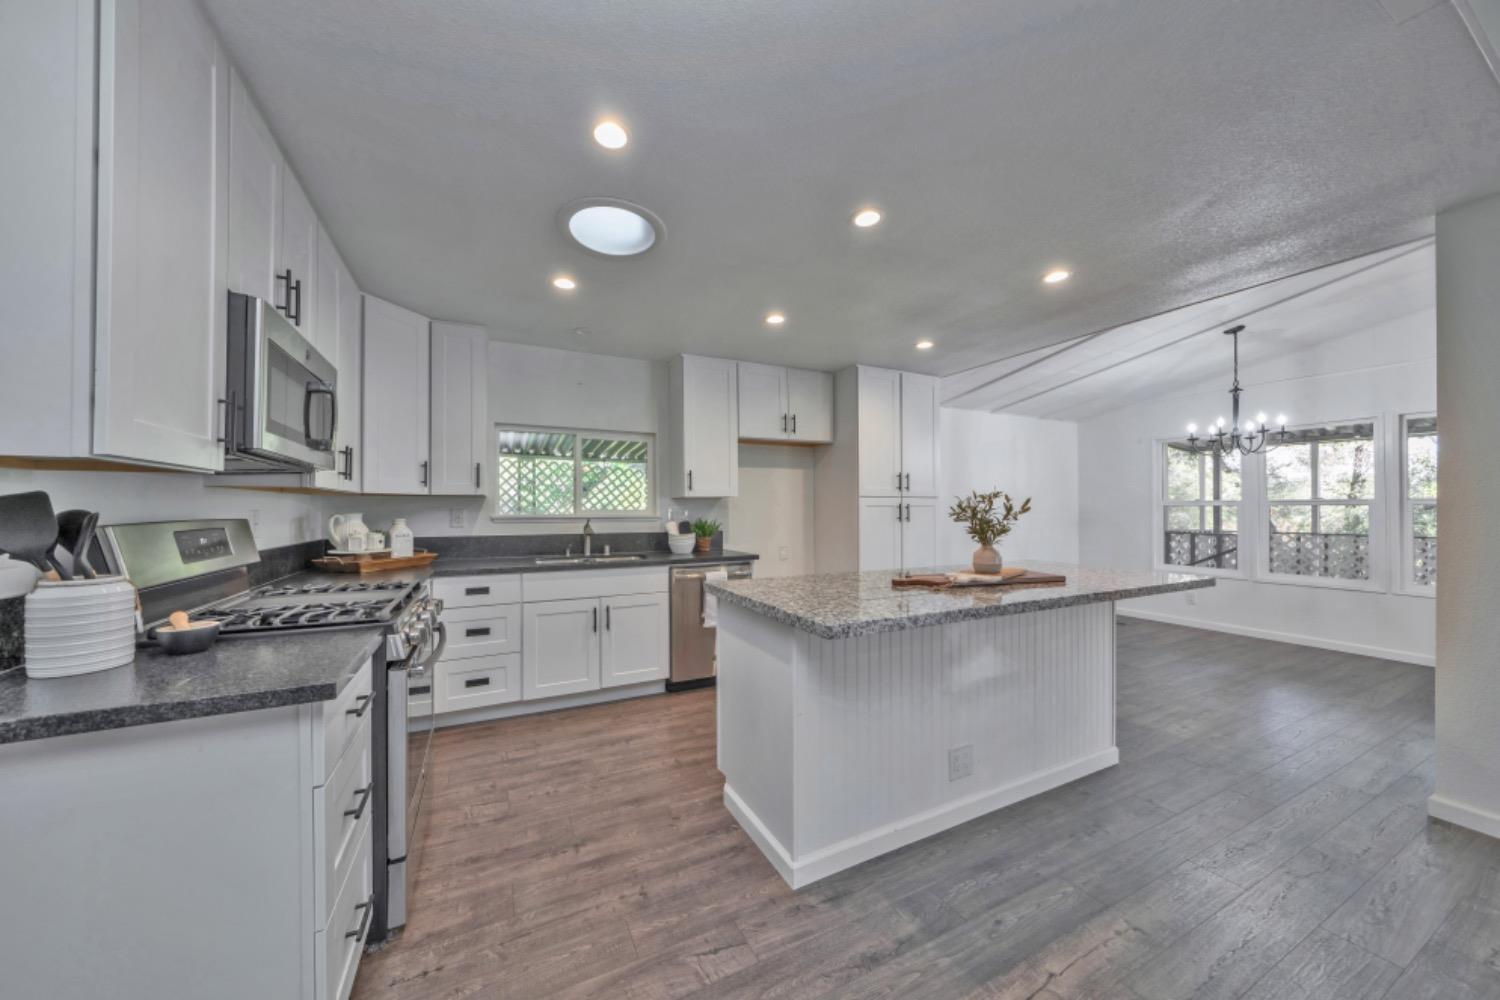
(282,398)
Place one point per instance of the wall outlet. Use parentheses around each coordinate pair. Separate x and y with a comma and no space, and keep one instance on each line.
(456,517)
(960,762)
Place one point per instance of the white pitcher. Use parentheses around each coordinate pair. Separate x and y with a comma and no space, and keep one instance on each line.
(341,526)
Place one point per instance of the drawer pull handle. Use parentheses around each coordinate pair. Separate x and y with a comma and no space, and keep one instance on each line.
(368,906)
(477,682)
(424,689)
(477,631)
(475,591)
(363,703)
(364,799)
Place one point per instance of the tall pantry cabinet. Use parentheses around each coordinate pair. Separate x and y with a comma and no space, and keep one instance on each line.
(876,488)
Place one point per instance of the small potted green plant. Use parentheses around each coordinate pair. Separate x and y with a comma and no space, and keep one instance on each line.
(986,525)
(705,530)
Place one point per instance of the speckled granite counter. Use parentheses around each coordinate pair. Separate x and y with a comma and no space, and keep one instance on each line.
(235,675)
(839,605)
(488,565)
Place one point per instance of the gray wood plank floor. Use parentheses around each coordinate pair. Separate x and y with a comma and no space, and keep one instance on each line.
(1264,836)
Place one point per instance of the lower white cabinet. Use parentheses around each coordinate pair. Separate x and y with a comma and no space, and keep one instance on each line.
(897,533)
(919,532)
(560,647)
(635,643)
(477,682)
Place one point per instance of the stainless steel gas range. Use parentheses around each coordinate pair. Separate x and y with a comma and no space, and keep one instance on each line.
(205,567)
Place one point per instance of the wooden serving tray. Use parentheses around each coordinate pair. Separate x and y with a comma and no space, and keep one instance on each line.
(941,581)
(367,562)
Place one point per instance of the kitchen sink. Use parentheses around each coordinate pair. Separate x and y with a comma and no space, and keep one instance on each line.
(584,560)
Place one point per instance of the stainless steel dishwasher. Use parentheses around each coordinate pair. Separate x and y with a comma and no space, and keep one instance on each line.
(692,644)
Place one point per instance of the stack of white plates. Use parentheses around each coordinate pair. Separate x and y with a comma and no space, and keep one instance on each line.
(79,626)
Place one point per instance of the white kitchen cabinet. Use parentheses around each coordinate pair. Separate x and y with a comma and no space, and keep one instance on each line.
(810,403)
(560,647)
(703,460)
(395,405)
(879,533)
(162,227)
(340,323)
(296,267)
(460,446)
(255,168)
(919,532)
(879,432)
(635,645)
(785,404)
(919,434)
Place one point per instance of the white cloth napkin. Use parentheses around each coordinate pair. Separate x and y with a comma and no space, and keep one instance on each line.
(710,602)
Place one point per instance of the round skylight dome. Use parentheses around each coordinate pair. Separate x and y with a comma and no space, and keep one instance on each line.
(610,227)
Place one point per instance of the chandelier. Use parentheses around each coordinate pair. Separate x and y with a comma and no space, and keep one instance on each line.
(1247,439)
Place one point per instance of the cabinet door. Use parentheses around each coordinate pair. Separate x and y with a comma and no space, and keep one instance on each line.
(710,428)
(810,401)
(763,402)
(919,533)
(351,383)
(919,434)
(395,399)
(879,428)
(636,642)
(879,533)
(299,255)
(254,199)
(460,408)
(336,331)
(162,231)
(560,647)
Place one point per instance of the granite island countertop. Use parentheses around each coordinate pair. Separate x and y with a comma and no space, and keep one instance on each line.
(842,605)
(234,675)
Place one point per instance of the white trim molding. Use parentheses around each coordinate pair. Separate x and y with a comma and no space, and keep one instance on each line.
(1316,642)
(1459,814)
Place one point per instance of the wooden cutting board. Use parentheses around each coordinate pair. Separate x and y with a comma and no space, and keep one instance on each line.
(361,564)
(959,581)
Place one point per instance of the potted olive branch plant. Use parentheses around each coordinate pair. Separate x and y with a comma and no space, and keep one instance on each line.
(705,530)
(986,525)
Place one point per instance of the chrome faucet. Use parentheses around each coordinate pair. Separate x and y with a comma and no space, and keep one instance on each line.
(588,538)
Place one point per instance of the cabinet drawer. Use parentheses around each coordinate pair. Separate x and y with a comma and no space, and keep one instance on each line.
(573,584)
(337,947)
(477,682)
(341,718)
(474,591)
(482,631)
(341,810)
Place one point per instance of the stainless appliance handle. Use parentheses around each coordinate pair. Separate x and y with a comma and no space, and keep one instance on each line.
(319,389)
(420,669)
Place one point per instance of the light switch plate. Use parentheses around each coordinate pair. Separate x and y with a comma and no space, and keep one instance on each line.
(456,517)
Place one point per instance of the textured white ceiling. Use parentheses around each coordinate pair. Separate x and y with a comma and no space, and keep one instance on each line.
(1185,348)
(1165,150)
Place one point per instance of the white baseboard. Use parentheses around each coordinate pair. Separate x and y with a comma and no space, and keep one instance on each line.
(1459,814)
(445,719)
(1317,642)
(883,839)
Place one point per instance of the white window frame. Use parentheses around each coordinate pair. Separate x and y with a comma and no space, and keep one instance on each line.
(1378,579)
(1404,584)
(649,514)
(1160,504)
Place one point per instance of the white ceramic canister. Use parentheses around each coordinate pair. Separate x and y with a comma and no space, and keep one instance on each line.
(401,539)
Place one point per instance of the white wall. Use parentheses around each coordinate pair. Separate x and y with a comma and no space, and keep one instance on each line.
(773,515)
(1025,457)
(1468,664)
(1381,373)
(277,518)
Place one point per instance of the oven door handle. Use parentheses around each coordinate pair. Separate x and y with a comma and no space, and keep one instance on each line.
(420,669)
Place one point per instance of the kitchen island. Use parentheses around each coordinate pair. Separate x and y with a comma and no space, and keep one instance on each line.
(855,718)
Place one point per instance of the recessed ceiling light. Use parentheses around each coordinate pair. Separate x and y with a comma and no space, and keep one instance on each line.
(564,283)
(924,345)
(611,134)
(1057,276)
(775,319)
(611,227)
(866,217)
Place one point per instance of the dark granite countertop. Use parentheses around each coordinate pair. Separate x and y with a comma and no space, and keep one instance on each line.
(489,565)
(234,675)
(840,605)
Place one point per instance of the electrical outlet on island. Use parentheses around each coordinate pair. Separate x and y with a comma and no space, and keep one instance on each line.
(960,762)
(456,517)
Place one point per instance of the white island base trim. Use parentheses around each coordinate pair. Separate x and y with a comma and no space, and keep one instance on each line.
(836,751)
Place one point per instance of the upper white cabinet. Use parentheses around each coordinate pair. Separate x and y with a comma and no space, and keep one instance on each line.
(919,434)
(785,404)
(703,460)
(897,429)
(339,317)
(162,246)
(254,198)
(396,389)
(295,269)
(460,409)
(919,521)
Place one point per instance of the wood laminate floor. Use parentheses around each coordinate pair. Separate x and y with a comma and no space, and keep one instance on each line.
(1264,836)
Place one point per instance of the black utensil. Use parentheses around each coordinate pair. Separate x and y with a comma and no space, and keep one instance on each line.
(75,532)
(28,529)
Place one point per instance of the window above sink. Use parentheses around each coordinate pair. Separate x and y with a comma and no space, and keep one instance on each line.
(568,473)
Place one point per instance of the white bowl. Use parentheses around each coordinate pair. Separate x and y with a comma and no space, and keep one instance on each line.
(681,545)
